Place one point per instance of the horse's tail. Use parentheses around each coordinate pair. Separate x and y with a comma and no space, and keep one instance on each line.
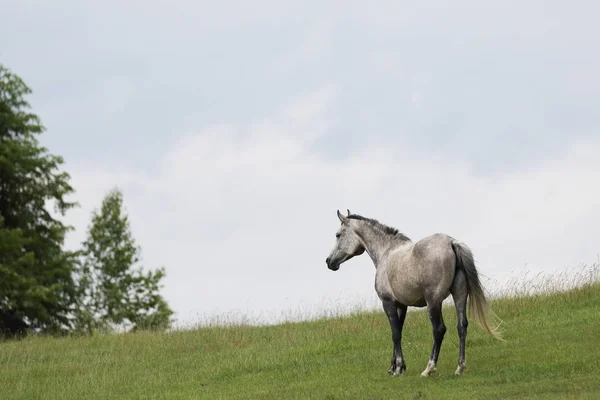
(478,305)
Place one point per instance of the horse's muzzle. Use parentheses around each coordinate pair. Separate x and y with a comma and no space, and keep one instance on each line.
(333,267)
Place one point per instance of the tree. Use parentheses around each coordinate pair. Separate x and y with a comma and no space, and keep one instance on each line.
(37,290)
(114,291)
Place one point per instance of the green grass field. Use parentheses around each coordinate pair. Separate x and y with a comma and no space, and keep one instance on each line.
(552,351)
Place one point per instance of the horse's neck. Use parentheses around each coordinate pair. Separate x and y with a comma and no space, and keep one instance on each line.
(376,243)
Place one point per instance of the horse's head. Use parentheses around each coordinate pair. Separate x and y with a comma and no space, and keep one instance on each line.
(347,244)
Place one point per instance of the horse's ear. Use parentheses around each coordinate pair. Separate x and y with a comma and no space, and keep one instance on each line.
(348,212)
(341,217)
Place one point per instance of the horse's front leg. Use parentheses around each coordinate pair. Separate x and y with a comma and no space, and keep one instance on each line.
(396,314)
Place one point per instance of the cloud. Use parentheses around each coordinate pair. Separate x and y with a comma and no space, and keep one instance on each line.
(507,88)
(243,216)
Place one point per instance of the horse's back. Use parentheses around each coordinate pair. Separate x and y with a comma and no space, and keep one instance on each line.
(433,247)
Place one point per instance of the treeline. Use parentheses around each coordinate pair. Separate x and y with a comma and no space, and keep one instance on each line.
(45,288)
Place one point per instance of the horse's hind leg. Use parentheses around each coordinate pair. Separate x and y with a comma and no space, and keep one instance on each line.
(439,330)
(459,293)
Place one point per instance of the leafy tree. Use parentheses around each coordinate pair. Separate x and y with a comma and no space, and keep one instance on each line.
(113,289)
(37,290)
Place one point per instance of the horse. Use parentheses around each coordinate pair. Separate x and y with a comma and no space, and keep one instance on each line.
(416,274)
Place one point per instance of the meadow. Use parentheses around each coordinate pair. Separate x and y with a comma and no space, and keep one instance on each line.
(551,351)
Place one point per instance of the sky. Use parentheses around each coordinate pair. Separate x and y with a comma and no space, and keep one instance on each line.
(237,129)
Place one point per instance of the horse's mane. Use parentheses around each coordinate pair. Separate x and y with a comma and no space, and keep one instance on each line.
(388,230)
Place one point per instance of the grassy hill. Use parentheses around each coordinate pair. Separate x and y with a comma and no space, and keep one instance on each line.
(552,351)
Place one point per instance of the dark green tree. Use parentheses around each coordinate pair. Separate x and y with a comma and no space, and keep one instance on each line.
(114,288)
(37,290)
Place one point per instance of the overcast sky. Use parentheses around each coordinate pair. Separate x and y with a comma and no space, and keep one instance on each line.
(236,129)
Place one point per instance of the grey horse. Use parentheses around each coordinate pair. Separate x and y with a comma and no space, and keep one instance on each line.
(420,274)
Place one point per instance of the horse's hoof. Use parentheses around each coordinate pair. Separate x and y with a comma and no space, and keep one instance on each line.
(392,368)
(397,371)
(428,371)
(460,370)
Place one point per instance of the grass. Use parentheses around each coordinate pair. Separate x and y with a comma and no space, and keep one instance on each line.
(551,352)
